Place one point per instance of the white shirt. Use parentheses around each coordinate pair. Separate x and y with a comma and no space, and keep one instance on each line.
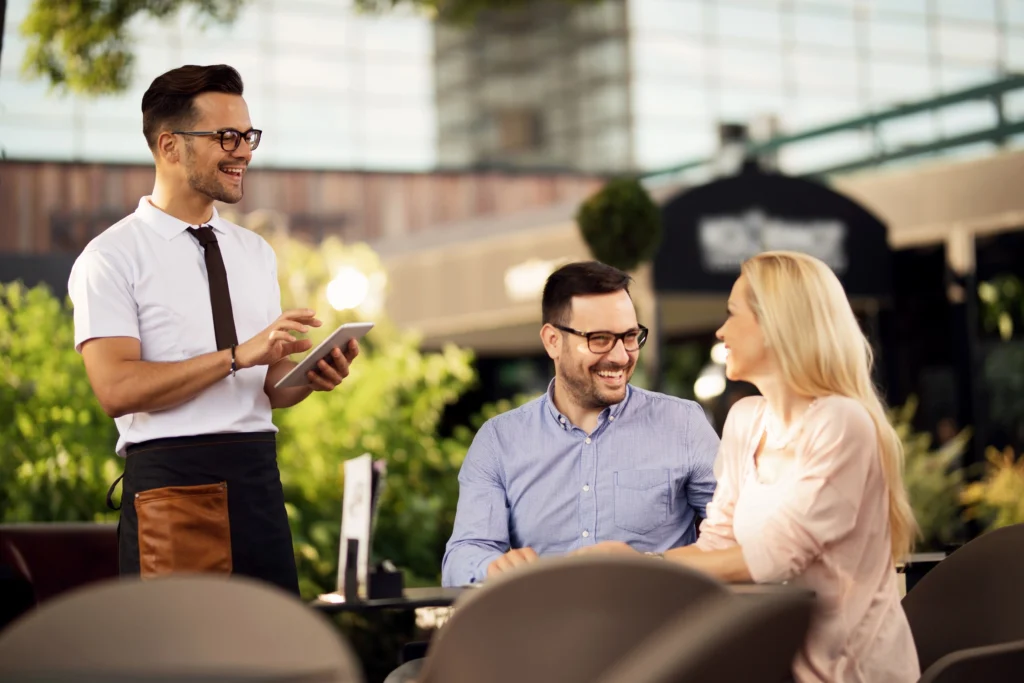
(145,277)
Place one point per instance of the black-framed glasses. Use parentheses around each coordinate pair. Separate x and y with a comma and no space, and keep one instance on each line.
(603,342)
(230,138)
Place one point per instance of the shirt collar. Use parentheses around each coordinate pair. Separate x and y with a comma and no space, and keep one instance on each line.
(612,411)
(168,226)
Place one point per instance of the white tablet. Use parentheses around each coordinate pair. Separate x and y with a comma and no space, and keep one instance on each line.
(339,338)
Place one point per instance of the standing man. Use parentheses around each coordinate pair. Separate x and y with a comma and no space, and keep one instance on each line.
(592,460)
(178,320)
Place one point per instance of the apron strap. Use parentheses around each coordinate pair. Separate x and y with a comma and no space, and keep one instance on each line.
(110,493)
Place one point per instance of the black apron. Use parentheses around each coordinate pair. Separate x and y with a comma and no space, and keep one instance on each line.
(210,503)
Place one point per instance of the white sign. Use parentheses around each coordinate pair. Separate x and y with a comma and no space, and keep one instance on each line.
(727,241)
(356,519)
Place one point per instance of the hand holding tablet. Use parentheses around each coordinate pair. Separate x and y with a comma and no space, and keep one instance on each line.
(337,339)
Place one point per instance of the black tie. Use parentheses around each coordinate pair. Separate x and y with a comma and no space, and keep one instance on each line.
(220,296)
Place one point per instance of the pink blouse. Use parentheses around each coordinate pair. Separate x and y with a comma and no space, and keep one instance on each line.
(823,524)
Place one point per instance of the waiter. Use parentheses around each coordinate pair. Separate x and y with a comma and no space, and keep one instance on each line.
(178,320)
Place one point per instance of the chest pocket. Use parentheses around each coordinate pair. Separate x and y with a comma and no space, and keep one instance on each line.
(642,499)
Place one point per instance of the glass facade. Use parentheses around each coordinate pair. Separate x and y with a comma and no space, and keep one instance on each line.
(329,87)
(643,84)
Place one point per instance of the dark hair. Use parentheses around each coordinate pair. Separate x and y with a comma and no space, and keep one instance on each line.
(579,279)
(170,98)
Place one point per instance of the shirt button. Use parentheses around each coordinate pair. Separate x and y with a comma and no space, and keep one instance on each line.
(588,440)
(586,487)
(585,533)
(611,419)
(562,420)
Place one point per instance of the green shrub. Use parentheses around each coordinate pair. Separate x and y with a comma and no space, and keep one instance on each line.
(621,224)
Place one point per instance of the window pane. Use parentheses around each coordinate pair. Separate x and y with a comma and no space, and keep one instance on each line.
(748,24)
(658,146)
(664,99)
(966,118)
(902,6)
(898,37)
(667,16)
(829,31)
(682,58)
(816,72)
(970,45)
(958,78)
(750,68)
(899,80)
(740,104)
(975,10)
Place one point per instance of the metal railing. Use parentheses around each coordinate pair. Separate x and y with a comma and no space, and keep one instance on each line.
(999,133)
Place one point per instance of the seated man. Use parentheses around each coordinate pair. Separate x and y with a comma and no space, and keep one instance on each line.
(592,460)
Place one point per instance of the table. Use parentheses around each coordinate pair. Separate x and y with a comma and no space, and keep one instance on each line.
(435,596)
(412,598)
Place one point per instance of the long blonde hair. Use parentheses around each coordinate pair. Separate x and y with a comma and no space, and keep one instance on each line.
(808,322)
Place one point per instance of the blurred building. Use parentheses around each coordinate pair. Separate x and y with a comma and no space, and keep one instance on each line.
(330,87)
(643,84)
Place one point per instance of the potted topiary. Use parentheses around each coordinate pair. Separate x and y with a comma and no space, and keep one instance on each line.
(621,224)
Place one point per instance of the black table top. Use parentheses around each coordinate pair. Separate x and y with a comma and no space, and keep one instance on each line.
(435,596)
(413,598)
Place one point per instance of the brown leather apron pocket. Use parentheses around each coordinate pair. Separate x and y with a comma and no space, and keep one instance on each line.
(184,529)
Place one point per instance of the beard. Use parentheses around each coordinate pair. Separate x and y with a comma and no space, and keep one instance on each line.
(585,388)
(209,183)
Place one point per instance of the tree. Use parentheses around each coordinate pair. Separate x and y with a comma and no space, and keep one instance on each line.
(85,46)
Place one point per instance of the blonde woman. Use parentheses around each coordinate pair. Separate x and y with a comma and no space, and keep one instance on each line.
(811,489)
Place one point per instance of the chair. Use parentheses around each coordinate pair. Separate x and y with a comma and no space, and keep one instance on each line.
(562,620)
(971,599)
(185,628)
(1003,663)
(56,557)
(735,639)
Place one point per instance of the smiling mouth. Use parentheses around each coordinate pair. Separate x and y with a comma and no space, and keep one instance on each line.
(235,172)
(611,376)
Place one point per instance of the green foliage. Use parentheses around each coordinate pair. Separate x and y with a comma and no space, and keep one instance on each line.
(85,46)
(56,444)
(621,224)
(933,479)
(997,500)
(389,406)
(1002,305)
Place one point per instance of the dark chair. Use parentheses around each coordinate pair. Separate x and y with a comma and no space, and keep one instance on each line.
(562,620)
(1002,663)
(734,639)
(41,560)
(971,599)
(187,629)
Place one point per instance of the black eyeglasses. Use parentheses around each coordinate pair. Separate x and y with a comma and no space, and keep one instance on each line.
(603,342)
(230,138)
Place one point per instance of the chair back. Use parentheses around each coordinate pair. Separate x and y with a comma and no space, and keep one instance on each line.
(182,628)
(1003,663)
(562,620)
(737,638)
(970,599)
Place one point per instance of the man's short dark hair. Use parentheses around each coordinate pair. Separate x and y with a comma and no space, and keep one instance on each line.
(579,279)
(170,98)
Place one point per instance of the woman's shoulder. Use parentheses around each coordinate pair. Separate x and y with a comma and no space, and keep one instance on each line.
(841,414)
(742,417)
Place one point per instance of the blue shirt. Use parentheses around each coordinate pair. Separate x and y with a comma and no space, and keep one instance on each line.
(532,479)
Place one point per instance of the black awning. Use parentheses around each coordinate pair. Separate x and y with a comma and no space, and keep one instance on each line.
(710,230)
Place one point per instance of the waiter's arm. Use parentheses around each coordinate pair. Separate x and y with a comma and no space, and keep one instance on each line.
(284,397)
(125,384)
